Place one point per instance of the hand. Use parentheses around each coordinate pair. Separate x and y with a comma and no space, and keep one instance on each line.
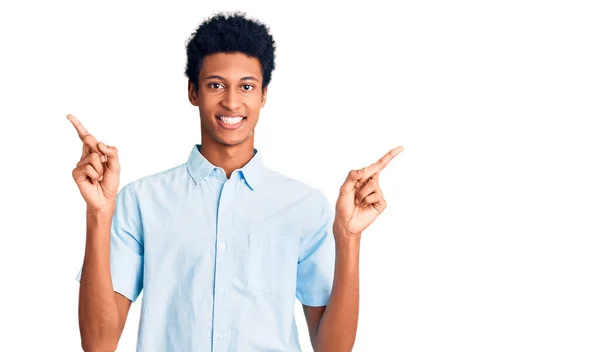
(360,200)
(97,172)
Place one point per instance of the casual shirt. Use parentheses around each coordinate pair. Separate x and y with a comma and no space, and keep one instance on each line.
(220,261)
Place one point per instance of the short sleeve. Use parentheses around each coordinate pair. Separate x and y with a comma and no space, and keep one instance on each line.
(316,262)
(126,246)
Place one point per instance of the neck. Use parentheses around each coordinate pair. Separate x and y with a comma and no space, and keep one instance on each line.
(227,157)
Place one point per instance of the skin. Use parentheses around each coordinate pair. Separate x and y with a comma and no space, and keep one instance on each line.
(360,202)
(229,84)
(102,312)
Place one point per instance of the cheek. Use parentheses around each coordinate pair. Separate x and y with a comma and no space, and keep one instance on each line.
(207,106)
(206,116)
(255,103)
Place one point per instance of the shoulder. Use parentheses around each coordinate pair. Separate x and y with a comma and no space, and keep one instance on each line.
(165,179)
(279,185)
(278,181)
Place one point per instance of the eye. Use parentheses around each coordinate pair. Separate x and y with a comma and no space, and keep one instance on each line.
(247,87)
(215,85)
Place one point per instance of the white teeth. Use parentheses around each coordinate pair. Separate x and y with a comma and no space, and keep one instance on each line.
(231,120)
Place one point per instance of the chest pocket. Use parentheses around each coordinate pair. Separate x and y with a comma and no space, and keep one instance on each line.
(273,262)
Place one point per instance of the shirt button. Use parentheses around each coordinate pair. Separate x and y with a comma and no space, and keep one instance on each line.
(219,336)
(223,246)
(221,291)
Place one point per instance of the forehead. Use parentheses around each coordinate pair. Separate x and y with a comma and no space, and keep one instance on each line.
(231,66)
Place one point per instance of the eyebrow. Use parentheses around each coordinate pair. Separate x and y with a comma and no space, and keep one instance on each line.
(247,78)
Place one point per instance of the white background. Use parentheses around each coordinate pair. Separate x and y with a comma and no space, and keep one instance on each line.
(491,237)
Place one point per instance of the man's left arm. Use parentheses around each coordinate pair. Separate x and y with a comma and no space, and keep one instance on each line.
(333,327)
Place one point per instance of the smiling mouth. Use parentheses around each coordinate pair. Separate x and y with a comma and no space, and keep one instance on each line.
(231,120)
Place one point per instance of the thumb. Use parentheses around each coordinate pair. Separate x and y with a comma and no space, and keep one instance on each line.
(112,156)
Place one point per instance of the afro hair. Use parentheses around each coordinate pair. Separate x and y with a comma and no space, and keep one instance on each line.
(230,32)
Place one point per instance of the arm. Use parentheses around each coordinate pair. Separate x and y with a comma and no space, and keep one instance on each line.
(360,202)
(333,327)
(102,312)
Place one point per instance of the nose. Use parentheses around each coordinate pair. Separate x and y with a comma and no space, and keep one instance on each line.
(231,100)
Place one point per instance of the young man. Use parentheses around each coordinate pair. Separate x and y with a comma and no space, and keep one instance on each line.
(221,244)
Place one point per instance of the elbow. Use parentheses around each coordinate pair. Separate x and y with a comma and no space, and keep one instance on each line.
(99,337)
(332,343)
(333,346)
(333,349)
(100,343)
(96,346)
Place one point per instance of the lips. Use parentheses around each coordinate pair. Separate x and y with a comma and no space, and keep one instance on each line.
(231,122)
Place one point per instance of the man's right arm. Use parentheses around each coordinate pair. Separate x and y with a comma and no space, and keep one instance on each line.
(102,311)
(113,254)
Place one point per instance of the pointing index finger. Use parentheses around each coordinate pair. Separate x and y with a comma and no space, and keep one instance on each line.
(382,163)
(81,130)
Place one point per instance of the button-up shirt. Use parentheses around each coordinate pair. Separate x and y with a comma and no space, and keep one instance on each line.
(221,261)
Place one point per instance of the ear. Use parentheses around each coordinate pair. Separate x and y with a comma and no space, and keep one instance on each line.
(264,97)
(192,94)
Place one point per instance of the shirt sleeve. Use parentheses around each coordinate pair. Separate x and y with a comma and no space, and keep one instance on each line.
(126,246)
(316,262)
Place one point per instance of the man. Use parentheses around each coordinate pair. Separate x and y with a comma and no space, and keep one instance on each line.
(221,244)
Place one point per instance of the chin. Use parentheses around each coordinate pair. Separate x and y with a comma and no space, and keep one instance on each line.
(232,141)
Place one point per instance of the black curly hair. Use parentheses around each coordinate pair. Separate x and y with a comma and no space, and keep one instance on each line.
(230,32)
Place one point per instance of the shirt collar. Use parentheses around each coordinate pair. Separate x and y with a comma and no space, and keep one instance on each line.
(199,168)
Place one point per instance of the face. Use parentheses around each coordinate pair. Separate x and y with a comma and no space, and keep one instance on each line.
(229,97)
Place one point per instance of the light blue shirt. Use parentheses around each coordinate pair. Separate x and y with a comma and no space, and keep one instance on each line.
(221,261)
